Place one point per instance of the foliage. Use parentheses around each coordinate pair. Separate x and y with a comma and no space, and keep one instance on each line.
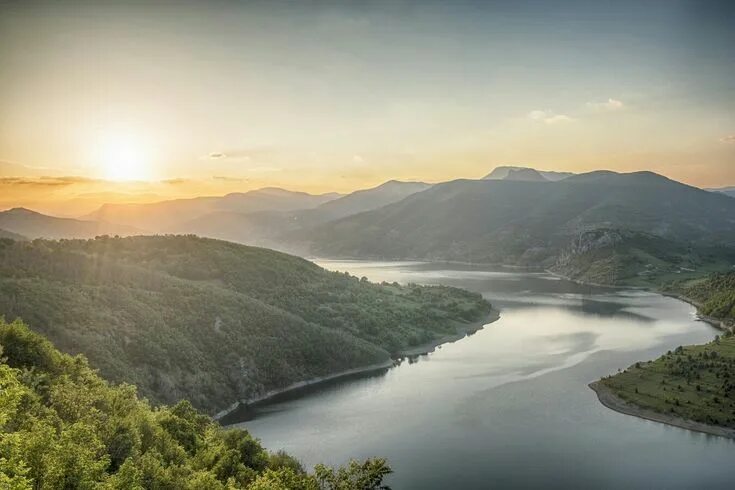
(715,294)
(693,382)
(527,223)
(615,257)
(213,322)
(61,426)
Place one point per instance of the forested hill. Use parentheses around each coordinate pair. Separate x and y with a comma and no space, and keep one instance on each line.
(62,426)
(214,322)
(715,294)
(527,223)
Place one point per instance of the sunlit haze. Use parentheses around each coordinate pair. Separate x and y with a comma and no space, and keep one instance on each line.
(115,101)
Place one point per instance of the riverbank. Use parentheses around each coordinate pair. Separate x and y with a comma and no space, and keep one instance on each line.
(462,331)
(303,384)
(715,322)
(614,402)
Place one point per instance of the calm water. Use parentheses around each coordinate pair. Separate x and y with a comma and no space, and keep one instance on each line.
(509,406)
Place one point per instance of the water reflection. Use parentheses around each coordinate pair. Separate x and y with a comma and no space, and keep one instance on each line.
(509,406)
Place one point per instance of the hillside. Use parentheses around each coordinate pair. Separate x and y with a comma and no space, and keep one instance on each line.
(62,426)
(276,229)
(31,224)
(691,387)
(728,191)
(215,322)
(11,235)
(366,200)
(715,294)
(527,223)
(620,257)
(167,216)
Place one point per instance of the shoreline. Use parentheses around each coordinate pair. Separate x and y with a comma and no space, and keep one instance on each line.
(500,265)
(617,404)
(715,322)
(463,330)
(303,384)
(426,348)
(598,285)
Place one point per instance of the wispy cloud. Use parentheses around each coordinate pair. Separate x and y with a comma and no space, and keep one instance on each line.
(176,181)
(549,117)
(224,178)
(47,181)
(241,154)
(730,138)
(608,105)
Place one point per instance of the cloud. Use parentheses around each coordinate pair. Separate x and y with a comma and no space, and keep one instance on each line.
(224,178)
(549,117)
(241,154)
(47,181)
(176,181)
(609,105)
(558,118)
(538,115)
(730,138)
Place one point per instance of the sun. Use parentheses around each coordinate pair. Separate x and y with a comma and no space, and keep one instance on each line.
(124,158)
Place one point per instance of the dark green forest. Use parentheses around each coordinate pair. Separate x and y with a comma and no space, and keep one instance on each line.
(62,426)
(187,318)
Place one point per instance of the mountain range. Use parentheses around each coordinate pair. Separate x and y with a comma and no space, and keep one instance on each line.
(30,224)
(515,216)
(530,223)
(169,215)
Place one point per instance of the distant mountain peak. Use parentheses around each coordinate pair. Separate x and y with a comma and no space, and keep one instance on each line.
(21,211)
(526,174)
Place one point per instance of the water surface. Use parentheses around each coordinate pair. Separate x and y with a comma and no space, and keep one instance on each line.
(509,406)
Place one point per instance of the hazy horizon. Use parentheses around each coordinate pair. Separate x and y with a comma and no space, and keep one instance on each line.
(124,102)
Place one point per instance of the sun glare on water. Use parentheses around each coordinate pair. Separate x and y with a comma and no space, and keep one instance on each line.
(124,158)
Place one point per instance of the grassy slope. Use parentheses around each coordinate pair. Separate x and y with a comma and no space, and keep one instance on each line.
(694,382)
(211,321)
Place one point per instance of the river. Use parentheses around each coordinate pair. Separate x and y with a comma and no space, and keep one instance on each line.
(509,405)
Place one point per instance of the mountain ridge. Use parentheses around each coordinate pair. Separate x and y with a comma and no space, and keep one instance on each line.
(526,223)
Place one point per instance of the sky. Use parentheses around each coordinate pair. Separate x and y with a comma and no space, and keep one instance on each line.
(126,101)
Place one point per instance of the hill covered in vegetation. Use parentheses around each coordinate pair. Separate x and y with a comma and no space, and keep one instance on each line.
(215,322)
(616,257)
(62,426)
(693,383)
(647,217)
(30,224)
(714,294)
(693,386)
